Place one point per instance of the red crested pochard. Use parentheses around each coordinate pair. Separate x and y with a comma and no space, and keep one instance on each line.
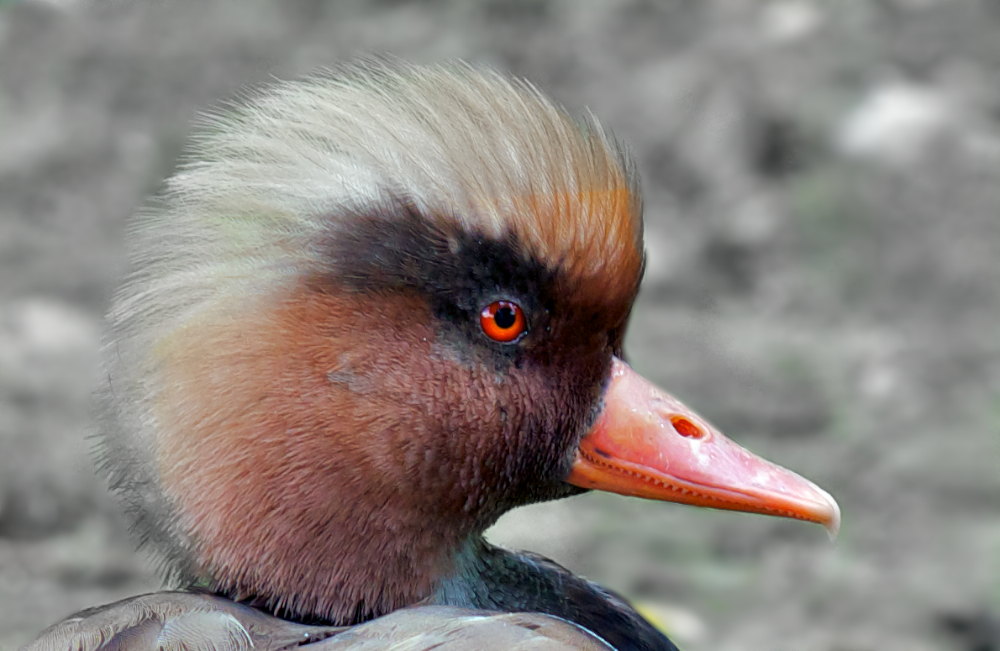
(375,310)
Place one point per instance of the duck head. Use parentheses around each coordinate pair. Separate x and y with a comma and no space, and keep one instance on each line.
(372,312)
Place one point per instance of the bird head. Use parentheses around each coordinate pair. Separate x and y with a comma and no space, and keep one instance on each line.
(374,310)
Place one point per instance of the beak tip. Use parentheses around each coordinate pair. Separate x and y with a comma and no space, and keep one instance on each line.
(832,522)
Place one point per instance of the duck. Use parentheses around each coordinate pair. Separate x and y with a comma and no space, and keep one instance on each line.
(373,310)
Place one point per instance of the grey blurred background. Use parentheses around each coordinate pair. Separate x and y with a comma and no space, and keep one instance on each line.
(822,184)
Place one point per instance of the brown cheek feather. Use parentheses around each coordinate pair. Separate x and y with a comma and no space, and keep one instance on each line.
(308,443)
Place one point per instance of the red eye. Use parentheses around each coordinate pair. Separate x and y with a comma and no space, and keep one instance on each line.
(502,321)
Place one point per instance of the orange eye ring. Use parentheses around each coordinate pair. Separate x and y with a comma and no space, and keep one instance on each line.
(502,321)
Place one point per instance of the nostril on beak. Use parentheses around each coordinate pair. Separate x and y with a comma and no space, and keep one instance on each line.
(686,428)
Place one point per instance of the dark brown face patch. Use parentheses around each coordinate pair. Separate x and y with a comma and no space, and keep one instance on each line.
(330,447)
(548,382)
(336,435)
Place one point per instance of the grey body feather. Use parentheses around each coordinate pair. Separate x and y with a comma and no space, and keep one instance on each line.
(177,621)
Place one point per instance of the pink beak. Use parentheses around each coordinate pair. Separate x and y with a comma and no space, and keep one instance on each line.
(646,443)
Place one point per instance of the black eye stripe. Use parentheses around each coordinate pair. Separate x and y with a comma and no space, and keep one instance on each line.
(460,273)
(407,250)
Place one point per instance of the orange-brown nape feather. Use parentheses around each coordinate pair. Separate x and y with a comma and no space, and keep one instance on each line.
(325,458)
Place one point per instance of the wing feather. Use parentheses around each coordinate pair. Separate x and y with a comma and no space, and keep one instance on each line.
(444,628)
(176,621)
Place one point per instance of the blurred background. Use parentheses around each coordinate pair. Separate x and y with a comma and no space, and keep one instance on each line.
(822,184)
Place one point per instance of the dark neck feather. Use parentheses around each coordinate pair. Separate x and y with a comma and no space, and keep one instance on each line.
(491,578)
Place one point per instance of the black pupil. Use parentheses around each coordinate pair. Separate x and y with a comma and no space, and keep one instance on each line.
(505,317)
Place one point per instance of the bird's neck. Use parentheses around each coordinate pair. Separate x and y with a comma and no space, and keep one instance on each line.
(343,571)
(490,578)
(358,578)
